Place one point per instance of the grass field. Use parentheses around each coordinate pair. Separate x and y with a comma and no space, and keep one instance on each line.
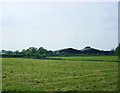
(95,73)
(89,58)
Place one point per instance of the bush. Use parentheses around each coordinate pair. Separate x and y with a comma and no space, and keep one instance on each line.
(12,55)
(39,56)
(118,50)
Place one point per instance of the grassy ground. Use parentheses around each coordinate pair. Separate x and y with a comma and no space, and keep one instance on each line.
(22,74)
(89,58)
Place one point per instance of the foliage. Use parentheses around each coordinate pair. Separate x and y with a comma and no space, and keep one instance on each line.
(49,53)
(112,52)
(118,50)
(41,52)
(12,55)
(39,56)
(17,52)
(32,52)
(64,54)
(9,52)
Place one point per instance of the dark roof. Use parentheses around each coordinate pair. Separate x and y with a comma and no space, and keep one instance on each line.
(86,50)
(68,51)
(89,50)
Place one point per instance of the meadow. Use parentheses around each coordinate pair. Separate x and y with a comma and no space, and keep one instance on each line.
(88,73)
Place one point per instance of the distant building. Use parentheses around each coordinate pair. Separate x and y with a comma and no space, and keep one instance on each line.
(89,50)
(86,50)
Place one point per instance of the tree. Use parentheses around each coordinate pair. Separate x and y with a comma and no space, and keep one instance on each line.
(17,52)
(42,51)
(49,53)
(23,52)
(9,52)
(112,52)
(27,53)
(3,51)
(39,56)
(117,51)
(33,50)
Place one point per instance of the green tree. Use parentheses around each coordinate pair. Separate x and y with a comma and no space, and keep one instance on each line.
(49,53)
(9,52)
(117,51)
(42,51)
(27,53)
(112,52)
(32,50)
(23,52)
(17,52)
(39,56)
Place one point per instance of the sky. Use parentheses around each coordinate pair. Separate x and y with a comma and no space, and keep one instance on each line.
(58,25)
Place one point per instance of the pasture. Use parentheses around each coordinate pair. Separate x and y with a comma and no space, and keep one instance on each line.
(94,73)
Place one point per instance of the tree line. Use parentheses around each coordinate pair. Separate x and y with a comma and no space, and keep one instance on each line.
(42,52)
(30,52)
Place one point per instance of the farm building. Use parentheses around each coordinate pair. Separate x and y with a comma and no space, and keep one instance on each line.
(89,50)
(67,51)
(86,50)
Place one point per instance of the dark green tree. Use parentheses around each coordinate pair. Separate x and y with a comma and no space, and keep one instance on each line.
(42,51)
(32,50)
(16,52)
(23,52)
(9,52)
(49,53)
(28,53)
(112,52)
(117,51)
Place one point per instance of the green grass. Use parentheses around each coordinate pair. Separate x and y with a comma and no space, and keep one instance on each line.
(22,74)
(89,58)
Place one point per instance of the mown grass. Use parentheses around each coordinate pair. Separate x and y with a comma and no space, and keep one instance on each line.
(89,58)
(22,74)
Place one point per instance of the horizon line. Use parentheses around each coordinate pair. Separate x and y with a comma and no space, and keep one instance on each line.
(57,49)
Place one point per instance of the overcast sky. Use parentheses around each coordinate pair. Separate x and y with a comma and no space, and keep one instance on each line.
(59,25)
